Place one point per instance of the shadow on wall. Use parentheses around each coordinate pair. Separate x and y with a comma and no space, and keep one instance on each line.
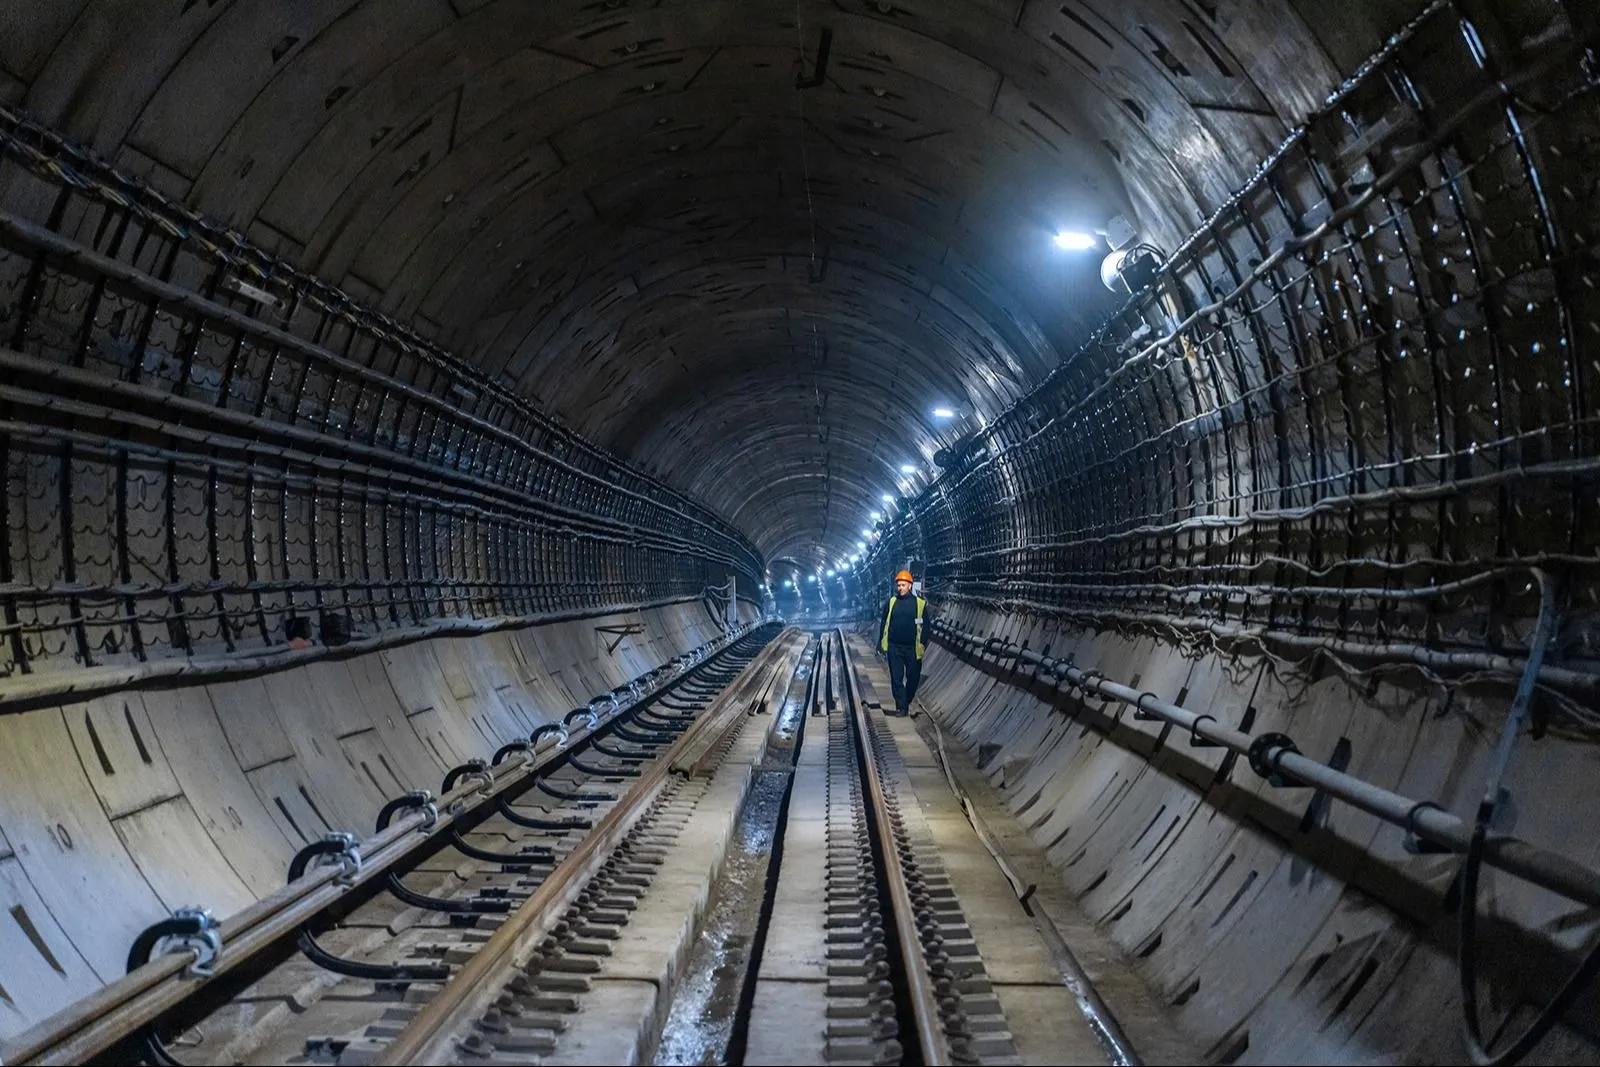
(117,811)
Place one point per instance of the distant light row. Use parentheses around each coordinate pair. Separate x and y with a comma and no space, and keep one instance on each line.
(1069,240)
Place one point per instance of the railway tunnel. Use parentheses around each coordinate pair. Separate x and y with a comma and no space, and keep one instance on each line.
(408,392)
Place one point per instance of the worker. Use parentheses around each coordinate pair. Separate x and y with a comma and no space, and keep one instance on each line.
(901,642)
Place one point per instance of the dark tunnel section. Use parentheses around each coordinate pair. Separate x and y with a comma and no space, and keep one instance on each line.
(1324,473)
(213,457)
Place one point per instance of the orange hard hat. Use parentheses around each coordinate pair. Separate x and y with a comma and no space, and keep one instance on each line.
(904,576)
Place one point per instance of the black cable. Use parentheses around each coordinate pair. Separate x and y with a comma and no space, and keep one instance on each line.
(1472,1033)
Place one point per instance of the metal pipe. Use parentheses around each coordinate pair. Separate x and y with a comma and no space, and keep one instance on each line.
(37,690)
(1393,651)
(1424,818)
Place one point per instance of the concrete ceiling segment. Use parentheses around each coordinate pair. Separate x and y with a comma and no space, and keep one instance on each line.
(626,208)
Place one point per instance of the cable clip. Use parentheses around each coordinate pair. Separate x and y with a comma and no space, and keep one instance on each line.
(342,846)
(551,730)
(1414,842)
(1139,711)
(1195,740)
(202,938)
(512,748)
(422,800)
(419,799)
(1039,667)
(1269,769)
(473,768)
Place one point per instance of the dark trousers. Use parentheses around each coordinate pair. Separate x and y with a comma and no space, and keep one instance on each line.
(905,671)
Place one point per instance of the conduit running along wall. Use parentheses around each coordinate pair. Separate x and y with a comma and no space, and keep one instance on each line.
(1298,484)
(119,810)
(208,453)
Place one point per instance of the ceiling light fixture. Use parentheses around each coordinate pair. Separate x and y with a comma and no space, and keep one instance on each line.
(943,413)
(907,468)
(1075,241)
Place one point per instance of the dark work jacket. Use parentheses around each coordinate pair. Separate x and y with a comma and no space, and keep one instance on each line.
(901,625)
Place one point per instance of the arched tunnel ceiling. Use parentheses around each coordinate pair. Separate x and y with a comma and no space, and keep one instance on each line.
(628,210)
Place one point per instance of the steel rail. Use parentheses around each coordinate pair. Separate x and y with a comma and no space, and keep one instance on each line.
(426,1038)
(1424,818)
(94,1024)
(1099,1016)
(920,986)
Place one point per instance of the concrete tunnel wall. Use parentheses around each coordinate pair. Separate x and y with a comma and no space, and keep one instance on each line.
(625,209)
(1271,942)
(117,811)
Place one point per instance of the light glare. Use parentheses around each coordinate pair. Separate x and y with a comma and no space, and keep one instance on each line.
(1073,241)
(943,413)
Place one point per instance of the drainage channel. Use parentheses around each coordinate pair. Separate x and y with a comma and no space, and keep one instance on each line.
(708,1020)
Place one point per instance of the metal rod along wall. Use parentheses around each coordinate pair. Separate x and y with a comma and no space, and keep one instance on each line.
(211,457)
(1275,755)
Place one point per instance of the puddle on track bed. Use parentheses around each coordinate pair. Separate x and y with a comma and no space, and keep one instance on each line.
(706,1001)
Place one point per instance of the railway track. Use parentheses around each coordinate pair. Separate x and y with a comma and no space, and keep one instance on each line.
(369,928)
(736,868)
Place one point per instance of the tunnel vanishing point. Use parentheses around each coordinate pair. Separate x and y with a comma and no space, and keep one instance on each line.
(472,439)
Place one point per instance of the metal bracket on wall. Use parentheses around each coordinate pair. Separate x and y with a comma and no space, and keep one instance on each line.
(629,630)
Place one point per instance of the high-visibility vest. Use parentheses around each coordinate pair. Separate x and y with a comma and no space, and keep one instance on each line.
(883,641)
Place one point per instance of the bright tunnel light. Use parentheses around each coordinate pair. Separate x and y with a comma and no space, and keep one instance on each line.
(943,413)
(888,498)
(1073,241)
(908,468)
